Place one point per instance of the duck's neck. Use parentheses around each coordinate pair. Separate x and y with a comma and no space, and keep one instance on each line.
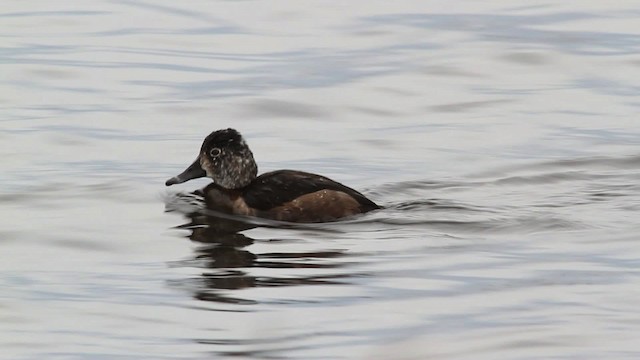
(235,172)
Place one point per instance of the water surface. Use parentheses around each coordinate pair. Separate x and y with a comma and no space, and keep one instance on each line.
(501,139)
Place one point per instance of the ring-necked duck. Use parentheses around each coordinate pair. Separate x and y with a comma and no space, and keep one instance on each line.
(284,195)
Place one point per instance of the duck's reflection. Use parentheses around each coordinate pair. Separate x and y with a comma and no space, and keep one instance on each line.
(229,263)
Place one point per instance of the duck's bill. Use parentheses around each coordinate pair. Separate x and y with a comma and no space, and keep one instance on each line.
(194,171)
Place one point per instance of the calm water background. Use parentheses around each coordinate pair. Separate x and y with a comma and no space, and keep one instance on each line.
(502,138)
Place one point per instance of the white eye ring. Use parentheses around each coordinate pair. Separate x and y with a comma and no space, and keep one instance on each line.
(215,152)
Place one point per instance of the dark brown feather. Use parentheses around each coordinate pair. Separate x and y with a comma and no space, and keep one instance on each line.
(319,206)
(274,189)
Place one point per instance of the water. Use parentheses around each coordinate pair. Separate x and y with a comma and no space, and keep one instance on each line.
(502,140)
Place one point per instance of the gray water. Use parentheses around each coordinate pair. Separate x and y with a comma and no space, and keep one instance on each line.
(503,140)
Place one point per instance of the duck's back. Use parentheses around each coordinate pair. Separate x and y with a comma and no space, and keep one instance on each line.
(298,196)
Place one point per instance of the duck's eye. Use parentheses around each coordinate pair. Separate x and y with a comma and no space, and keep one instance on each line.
(215,152)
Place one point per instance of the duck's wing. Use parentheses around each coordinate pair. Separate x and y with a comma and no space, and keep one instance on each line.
(276,188)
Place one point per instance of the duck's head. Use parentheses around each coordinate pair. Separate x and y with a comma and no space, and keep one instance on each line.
(224,157)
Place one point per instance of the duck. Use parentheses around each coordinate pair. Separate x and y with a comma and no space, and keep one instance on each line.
(283,195)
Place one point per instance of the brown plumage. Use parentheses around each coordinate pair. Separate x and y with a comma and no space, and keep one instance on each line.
(284,195)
